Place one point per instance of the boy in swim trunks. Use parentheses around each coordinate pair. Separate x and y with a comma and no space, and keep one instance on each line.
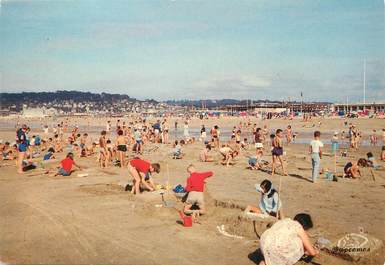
(121,146)
(277,152)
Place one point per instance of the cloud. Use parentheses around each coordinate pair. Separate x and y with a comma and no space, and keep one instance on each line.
(229,86)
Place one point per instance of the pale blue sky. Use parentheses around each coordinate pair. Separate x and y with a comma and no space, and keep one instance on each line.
(195,49)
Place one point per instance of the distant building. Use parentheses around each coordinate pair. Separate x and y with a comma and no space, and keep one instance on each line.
(358,107)
(37,112)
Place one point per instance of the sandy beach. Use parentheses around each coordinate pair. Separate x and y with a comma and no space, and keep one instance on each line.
(92,220)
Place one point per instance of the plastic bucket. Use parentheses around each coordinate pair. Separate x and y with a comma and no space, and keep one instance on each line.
(187,220)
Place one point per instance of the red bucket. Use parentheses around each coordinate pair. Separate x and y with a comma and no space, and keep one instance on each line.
(187,220)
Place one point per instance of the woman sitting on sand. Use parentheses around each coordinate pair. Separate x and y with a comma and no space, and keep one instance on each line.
(270,203)
(287,241)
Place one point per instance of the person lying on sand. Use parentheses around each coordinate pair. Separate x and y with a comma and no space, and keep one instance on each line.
(141,170)
(269,203)
(205,156)
(228,155)
(195,187)
(287,241)
(50,154)
(66,166)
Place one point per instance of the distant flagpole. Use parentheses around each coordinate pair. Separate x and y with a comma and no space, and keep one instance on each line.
(364,83)
(301,101)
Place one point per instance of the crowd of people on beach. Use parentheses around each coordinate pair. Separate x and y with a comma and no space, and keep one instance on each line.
(124,144)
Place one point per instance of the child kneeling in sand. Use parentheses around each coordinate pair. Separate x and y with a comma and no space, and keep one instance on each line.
(270,203)
(205,156)
(66,165)
(141,170)
(177,153)
(255,162)
(195,187)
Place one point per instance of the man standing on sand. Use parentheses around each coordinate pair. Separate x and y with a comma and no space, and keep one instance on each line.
(316,154)
(22,142)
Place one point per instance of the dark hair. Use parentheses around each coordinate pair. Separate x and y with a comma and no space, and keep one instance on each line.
(70,155)
(362,162)
(278,131)
(383,148)
(103,133)
(176,142)
(120,132)
(305,220)
(266,185)
(156,167)
(317,134)
(208,146)
(51,150)
(369,154)
(85,134)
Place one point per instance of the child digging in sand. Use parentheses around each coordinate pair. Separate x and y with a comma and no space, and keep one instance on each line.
(141,170)
(228,154)
(255,161)
(195,187)
(66,165)
(177,153)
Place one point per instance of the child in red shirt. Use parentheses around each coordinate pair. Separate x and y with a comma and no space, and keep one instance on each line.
(140,170)
(195,187)
(66,165)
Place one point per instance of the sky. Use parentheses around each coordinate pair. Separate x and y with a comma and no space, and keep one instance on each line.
(209,49)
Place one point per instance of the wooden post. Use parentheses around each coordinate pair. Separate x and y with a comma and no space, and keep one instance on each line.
(168,178)
(279,196)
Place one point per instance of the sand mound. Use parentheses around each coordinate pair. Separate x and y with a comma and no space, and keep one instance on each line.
(102,189)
